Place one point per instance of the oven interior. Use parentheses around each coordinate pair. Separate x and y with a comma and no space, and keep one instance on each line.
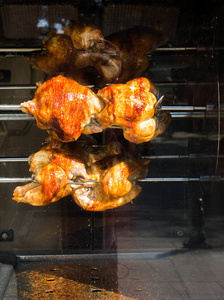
(168,242)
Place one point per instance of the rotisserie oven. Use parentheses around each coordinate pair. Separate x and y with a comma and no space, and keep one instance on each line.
(111,140)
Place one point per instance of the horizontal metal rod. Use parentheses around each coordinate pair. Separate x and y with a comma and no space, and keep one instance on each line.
(13,107)
(175,115)
(15,179)
(159,84)
(18,87)
(182,179)
(28,87)
(209,108)
(20,49)
(182,156)
(188,84)
(5,107)
(16,117)
(13,159)
(152,179)
(30,179)
(198,48)
(195,115)
(170,156)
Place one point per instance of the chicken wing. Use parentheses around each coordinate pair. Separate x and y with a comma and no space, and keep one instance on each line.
(64,108)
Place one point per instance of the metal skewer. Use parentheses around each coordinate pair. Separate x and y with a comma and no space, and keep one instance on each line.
(161,49)
(24,117)
(30,179)
(169,156)
(152,179)
(210,108)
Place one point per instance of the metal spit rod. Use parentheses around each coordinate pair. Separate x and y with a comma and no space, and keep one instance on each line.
(20,49)
(161,49)
(6,107)
(176,115)
(170,156)
(158,84)
(176,111)
(152,179)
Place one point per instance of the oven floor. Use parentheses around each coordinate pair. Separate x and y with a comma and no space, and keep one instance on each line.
(175,275)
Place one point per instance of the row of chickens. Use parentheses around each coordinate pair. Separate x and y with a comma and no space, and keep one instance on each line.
(67,109)
(102,177)
(82,52)
(98,178)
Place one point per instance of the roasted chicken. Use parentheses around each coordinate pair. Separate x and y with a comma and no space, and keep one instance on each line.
(58,57)
(131,106)
(64,108)
(62,169)
(117,58)
(81,46)
(52,170)
(135,44)
(117,183)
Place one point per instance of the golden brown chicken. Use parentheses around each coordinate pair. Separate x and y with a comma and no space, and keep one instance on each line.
(117,183)
(52,170)
(130,106)
(134,45)
(64,108)
(59,169)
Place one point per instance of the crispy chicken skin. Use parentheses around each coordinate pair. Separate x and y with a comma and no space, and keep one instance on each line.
(131,106)
(58,168)
(52,169)
(117,183)
(63,108)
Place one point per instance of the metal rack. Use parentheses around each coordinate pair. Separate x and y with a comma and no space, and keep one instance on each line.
(176,111)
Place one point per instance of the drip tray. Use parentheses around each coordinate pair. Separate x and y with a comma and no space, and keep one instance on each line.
(179,274)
